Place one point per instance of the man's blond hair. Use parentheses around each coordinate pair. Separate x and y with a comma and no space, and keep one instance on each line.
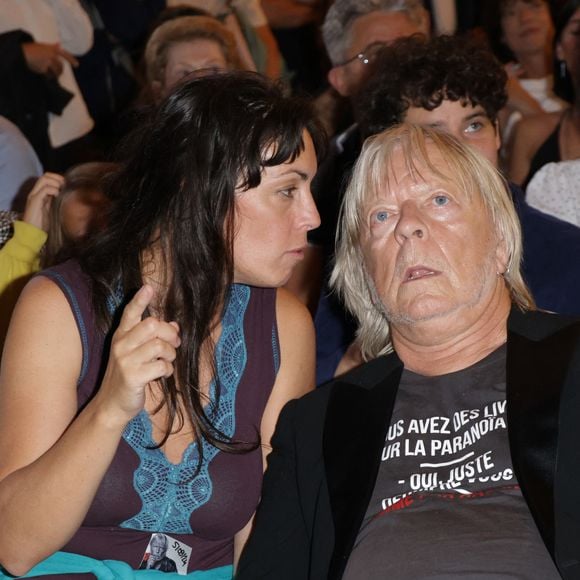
(472,173)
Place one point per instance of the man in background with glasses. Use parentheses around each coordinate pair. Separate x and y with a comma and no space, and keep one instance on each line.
(353,32)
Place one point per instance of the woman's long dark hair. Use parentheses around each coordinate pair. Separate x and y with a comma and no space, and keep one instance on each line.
(176,196)
(563,83)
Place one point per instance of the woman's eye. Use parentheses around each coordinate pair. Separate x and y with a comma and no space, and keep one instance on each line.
(381,216)
(288,192)
(441,200)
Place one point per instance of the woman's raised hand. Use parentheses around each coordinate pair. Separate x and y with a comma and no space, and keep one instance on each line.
(142,350)
(519,99)
(38,202)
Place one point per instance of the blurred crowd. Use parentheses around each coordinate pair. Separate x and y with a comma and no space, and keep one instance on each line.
(82,78)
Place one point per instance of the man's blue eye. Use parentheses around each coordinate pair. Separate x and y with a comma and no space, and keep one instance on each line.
(475,126)
(441,200)
(382,216)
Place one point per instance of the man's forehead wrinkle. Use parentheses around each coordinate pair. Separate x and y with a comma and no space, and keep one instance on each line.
(397,182)
(428,174)
(421,163)
(421,186)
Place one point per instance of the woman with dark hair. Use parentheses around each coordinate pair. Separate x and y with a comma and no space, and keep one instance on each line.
(165,429)
(521,34)
(554,137)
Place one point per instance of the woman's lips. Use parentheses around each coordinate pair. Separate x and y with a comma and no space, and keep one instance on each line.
(529,31)
(298,252)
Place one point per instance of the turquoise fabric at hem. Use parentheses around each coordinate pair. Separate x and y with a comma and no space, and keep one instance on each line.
(67,563)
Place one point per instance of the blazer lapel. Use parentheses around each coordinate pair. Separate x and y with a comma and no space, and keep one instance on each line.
(357,421)
(536,370)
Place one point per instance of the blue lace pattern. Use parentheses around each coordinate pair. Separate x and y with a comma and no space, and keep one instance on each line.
(169,493)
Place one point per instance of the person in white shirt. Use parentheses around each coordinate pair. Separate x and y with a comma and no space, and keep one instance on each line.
(60,29)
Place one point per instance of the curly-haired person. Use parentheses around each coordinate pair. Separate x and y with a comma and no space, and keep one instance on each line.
(415,77)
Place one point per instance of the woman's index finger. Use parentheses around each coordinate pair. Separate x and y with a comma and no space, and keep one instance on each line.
(133,312)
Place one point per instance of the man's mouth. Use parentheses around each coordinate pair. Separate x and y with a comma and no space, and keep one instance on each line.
(418,272)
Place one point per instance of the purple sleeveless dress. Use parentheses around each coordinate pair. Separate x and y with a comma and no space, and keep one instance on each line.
(142,492)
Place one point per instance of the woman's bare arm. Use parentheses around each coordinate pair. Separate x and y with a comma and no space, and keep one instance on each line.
(295,378)
(529,136)
(51,460)
(296,375)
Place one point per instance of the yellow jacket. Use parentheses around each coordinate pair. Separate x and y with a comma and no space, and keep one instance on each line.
(19,259)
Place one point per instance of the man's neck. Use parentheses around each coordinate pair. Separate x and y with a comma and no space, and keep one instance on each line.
(437,347)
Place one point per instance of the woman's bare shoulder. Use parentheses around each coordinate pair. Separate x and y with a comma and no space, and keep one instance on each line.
(530,134)
(42,324)
(290,310)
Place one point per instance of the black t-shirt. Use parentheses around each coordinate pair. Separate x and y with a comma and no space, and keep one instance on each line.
(446,502)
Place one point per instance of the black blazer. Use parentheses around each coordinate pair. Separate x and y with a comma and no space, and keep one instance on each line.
(327,448)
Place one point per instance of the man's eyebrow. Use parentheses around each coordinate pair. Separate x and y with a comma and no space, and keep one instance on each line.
(477,114)
(437,124)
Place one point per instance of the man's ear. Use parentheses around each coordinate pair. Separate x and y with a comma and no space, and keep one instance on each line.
(497,135)
(502,257)
(337,78)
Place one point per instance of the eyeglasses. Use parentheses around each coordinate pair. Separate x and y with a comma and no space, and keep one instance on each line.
(367,55)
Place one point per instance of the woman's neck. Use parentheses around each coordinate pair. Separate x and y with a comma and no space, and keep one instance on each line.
(535,65)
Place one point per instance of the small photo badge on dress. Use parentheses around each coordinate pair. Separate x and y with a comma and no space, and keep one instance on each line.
(166,554)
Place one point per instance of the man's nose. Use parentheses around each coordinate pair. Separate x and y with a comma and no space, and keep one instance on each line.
(410,223)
